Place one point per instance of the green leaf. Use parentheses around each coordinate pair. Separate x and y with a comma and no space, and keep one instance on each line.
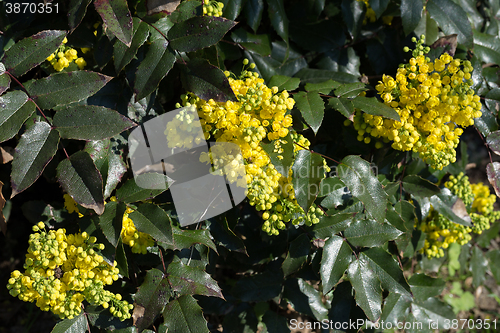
(428,27)
(184,239)
(254,10)
(282,165)
(187,280)
(308,171)
(90,122)
(444,204)
(122,53)
(337,255)
(154,183)
(395,308)
(258,288)
(232,9)
(255,43)
(424,286)
(330,185)
(330,225)
(275,323)
(322,87)
(224,236)
(372,106)
(76,325)
(350,90)
(297,254)
(487,123)
(478,266)
(494,263)
(356,173)
(493,141)
(305,299)
(320,75)
(158,62)
(311,107)
(452,19)
(353,13)
(65,88)
(434,310)
(76,12)
(32,51)
(206,81)
(487,47)
(154,221)
(387,270)
(379,6)
(284,82)
(117,18)
(198,32)
(15,108)
(4,79)
(411,13)
(111,221)
(370,233)
(151,297)
(184,315)
(36,148)
(80,178)
(367,288)
(279,20)
(419,187)
(342,105)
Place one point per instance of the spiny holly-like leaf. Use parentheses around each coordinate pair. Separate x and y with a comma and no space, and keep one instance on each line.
(76,11)
(284,82)
(116,16)
(80,178)
(478,266)
(372,106)
(206,81)
(150,298)
(154,221)
(36,148)
(131,192)
(370,233)
(452,19)
(158,62)
(411,13)
(330,225)
(349,90)
(184,315)
(32,51)
(367,288)
(311,107)
(281,164)
(122,53)
(337,255)
(308,171)
(419,186)
(297,254)
(14,110)
(322,87)
(493,172)
(111,221)
(433,310)
(198,32)
(395,308)
(76,325)
(356,173)
(187,280)
(65,88)
(387,270)
(424,286)
(184,239)
(342,105)
(90,122)
(260,44)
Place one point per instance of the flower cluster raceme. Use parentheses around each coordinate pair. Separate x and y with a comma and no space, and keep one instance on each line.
(259,114)
(64,56)
(441,232)
(434,100)
(61,271)
(212,8)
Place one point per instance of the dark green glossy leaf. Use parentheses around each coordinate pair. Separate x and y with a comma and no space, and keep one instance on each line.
(311,107)
(158,62)
(150,299)
(75,325)
(452,19)
(424,286)
(353,15)
(419,186)
(258,288)
(275,323)
(117,18)
(387,270)
(428,27)
(122,53)
(279,20)
(4,79)
(349,90)
(255,43)
(32,51)
(14,110)
(154,221)
(356,173)
(379,6)
(329,185)
(434,310)
(370,233)
(320,75)
(281,164)
(323,87)
(206,81)
(342,105)
(284,82)
(184,315)
(184,239)
(297,254)
(487,123)
(131,192)
(487,47)
(65,88)
(111,221)
(444,204)
(478,266)
(232,9)
(36,148)
(330,225)
(224,236)
(337,255)
(367,288)
(305,299)
(395,308)
(80,178)
(411,13)
(76,12)
(373,106)
(308,170)
(493,141)
(198,32)
(494,263)
(254,10)
(187,280)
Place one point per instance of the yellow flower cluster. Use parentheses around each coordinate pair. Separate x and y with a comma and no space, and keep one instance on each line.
(64,56)
(61,271)
(260,113)
(441,232)
(212,8)
(434,100)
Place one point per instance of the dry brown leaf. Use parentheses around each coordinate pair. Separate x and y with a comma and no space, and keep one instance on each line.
(6,155)
(3,223)
(157,6)
(138,313)
(448,42)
